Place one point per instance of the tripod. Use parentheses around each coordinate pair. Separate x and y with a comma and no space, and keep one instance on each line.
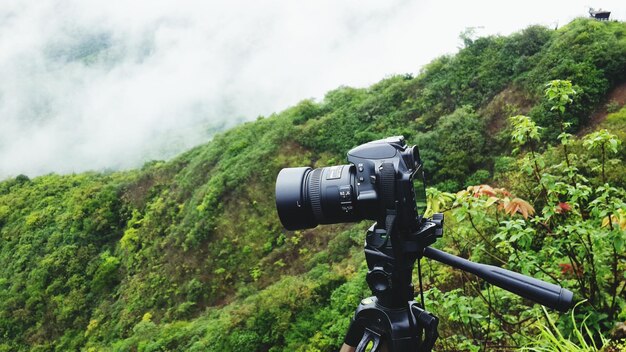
(392,320)
(378,185)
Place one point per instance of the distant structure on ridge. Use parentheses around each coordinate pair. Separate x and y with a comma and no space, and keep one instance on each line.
(600,15)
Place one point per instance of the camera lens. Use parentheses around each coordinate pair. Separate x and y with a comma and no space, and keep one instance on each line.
(294,212)
(307,197)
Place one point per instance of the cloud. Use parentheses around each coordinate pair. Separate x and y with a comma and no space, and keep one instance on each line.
(88,85)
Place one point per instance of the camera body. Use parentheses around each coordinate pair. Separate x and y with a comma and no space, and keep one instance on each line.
(379,178)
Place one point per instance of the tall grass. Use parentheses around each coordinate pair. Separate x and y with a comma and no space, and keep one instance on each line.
(551,339)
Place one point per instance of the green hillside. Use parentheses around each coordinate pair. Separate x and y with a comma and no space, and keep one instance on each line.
(189,254)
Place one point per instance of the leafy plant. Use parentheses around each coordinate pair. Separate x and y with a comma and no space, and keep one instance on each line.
(612,106)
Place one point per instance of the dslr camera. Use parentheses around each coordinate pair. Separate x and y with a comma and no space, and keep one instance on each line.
(380,176)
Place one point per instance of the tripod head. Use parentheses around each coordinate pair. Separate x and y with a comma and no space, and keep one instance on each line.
(378,184)
(393,316)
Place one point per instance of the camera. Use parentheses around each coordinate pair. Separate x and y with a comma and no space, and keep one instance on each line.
(379,177)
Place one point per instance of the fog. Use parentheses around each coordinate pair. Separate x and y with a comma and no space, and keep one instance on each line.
(109,85)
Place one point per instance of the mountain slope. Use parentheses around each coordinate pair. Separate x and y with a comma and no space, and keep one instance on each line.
(189,253)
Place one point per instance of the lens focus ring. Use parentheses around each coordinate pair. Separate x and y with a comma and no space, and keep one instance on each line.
(315,194)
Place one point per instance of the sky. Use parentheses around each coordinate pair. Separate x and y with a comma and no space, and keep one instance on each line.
(108,85)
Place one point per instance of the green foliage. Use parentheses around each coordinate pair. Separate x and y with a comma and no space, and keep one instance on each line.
(559,93)
(525,130)
(551,339)
(478,177)
(55,255)
(602,140)
(455,147)
(612,106)
(590,55)
(438,201)
(576,229)
(477,73)
(106,274)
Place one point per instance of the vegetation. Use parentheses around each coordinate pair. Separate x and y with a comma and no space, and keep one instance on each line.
(188,254)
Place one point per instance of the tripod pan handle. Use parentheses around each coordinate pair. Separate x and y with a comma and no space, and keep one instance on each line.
(547,294)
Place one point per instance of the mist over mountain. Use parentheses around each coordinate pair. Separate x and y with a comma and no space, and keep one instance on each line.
(93,86)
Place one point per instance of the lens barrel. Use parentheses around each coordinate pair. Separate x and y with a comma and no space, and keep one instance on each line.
(308,197)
